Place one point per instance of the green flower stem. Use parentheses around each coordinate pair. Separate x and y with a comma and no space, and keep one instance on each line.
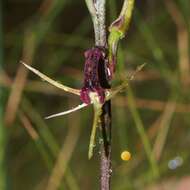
(121,24)
(118,29)
(97,114)
(3,183)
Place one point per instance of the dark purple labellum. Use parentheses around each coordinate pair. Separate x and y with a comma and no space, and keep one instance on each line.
(94,64)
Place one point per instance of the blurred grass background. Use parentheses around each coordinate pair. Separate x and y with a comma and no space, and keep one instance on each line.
(151,119)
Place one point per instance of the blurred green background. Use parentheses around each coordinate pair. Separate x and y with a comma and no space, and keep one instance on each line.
(151,119)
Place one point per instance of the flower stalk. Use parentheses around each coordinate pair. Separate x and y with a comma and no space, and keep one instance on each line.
(98,71)
(118,30)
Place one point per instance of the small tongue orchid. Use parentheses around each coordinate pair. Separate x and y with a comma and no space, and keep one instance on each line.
(98,71)
(92,91)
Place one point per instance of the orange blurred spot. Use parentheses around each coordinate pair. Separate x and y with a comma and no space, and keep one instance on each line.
(125,155)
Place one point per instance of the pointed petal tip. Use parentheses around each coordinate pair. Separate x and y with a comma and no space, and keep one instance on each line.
(90,156)
(27,66)
(48,117)
(22,62)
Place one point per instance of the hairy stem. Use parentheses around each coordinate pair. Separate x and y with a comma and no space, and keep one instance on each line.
(105,119)
(105,165)
(97,11)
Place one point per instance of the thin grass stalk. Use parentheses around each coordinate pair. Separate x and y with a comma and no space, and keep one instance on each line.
(3,184)
(142,134)
(47,137)
(69,178)
(165,125)
(34,34)
(64,155)
(182,40)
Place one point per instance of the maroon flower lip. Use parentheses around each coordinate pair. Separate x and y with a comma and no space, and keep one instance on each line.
(95,59)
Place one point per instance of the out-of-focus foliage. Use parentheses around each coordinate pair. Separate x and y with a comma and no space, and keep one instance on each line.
(151,119)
